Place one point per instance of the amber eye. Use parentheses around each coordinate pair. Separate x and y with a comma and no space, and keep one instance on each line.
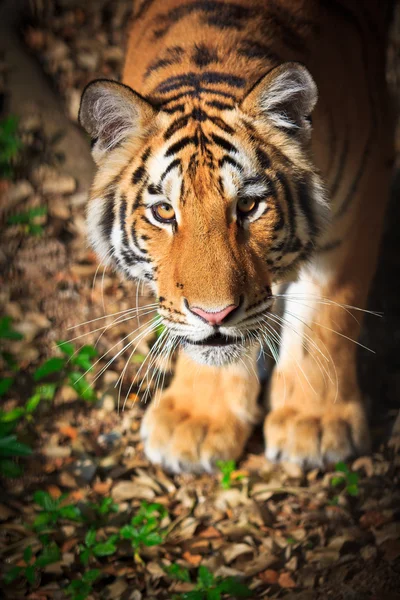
(246,206)
(163,212)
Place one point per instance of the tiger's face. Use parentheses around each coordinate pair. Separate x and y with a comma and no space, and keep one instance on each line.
(211,206)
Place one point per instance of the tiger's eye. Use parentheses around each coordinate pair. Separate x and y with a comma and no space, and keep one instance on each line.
(163,212)
(246,205)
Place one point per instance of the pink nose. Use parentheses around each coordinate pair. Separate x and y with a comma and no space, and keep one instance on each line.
(213,318)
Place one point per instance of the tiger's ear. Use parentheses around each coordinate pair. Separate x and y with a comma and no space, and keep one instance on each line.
(286,96)
(111,112)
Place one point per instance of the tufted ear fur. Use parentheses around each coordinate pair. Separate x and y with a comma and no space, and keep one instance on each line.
(111,112)
(286,96)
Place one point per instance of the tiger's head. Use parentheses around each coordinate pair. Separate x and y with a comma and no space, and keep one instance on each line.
(211,203)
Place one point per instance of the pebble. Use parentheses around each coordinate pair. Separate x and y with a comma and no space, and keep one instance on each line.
(59,209)
(88,60)
(57,451)
(17,193)
(85,469)
(52,181)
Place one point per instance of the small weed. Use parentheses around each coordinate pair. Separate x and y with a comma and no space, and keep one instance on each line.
(49,555)
(54,509)
(106,507)
(71,368)
(347,478)
(145,527)
(80,589)
(208,587)
(93,548)
(28,220)
(228,468)
(10,146)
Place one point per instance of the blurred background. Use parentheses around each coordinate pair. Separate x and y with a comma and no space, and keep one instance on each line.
(60,430)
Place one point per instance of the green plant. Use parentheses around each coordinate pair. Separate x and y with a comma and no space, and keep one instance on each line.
(50,554)
(28,219)
(106,507)
(93,548)
(347,478)
(54,509)
(79,589)
(227,469)
(209,587)
(10,145)
(145,527)
(71,368)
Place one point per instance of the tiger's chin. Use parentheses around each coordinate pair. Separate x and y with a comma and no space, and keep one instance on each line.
(214,356)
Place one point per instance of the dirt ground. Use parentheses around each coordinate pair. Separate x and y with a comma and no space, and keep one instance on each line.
(285,534)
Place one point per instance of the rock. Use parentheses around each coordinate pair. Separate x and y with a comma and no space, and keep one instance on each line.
(58,208)
(88,60)
(113,54)
(109,440)
(85,469)
(14,194)
(128,490)
(57,451)
(107,403)
(52,181)
(57,51)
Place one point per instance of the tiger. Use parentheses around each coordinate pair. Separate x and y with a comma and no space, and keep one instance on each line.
(242,172)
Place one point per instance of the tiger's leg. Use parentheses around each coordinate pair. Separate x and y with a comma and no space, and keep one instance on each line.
(317,412)
(207,414)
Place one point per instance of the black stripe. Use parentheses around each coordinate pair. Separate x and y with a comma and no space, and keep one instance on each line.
(221,124)
(138,175)
(263,159)
(230,161)
(289,202)
(223,143)
(175,163)
(220,105)
(107,218)
(178,124)
(178,146)
(307,209)
(203,55)
(174,109)
(222,15)
(172,56)
(122,219)
(254,49)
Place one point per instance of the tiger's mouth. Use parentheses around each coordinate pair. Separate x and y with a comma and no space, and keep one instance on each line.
(217,339)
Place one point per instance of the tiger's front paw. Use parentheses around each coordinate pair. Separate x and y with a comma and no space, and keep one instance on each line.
(181,438)
(315,439)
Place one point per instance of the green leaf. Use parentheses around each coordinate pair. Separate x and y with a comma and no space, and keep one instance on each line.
(353,478)
(91,576)
(30,574)
(33,403)
(213,594)
(42,520)
(107,505)
(6,330)
(138,358)
(159,330)
(12,415)
(8,468)
(352,489)
(9,446)
(66,347)
(5,385)
(234,588)
(341,467)
(90,537)
(104,549)
(153,539)
(177,572)
(338,480)
(70,512)
(49,555)
(12,574)
(84,555)
(45,500)
(52,365)
(28,554)
(127,532)
(204,577)
(88,351)
(81,386)
(47,390)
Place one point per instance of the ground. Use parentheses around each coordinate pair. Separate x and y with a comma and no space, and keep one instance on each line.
(281,532)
